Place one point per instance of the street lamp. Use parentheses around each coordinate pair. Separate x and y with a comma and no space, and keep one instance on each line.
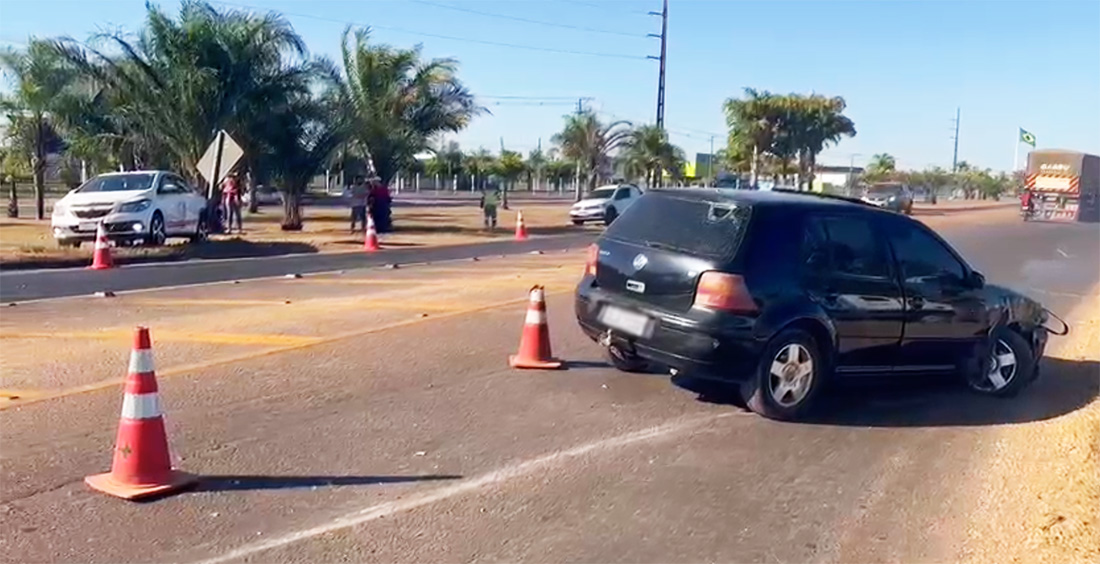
(852,171)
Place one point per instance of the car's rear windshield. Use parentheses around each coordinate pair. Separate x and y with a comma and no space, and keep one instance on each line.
(119,183)
(884,190)
(705,228)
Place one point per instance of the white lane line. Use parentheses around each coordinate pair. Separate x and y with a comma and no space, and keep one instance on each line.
(1063,253)
(496,477)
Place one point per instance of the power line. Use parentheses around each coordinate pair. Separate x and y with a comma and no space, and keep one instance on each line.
(526,20)
(570,98)
(604,7)
(437,35)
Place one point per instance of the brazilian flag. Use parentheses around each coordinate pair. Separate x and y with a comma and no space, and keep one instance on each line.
(1027,137)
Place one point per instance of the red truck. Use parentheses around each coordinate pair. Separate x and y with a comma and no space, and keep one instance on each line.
(1064,186)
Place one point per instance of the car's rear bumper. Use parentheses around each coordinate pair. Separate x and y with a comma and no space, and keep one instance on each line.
(678,343)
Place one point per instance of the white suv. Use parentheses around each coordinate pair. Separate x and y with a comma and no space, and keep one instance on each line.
(604,204)
(141,206)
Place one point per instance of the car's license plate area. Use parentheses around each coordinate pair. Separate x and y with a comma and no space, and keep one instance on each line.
(626,321)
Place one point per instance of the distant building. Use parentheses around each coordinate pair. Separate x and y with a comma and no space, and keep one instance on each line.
(838,176)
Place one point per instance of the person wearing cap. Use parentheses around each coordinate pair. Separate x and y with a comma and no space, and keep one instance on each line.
(490,199)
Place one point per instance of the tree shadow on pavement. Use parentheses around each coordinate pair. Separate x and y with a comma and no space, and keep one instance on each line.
(244,482)
(1064,386)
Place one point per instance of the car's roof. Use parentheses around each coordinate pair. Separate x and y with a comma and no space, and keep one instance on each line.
(125,172)
(769,198)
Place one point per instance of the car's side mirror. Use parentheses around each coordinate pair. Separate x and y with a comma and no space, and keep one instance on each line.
(975,279)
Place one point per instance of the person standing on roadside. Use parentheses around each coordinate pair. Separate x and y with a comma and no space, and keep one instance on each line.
(380,208)
(231,202)
(490,199)
(358,194)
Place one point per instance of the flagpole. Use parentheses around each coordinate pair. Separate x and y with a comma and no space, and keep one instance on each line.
(1016,152)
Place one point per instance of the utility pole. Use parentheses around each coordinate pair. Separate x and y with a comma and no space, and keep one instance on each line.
(661,77)
(955,157)
(710,162)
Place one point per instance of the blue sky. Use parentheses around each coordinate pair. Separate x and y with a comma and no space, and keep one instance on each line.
(903,67)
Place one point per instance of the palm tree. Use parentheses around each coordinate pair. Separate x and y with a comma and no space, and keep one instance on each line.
(536,161)
(306,132)
(819,122)
(41,79)
(399,102)
(479,165)
(185,79)
(648,152)
(591,143)
(755,125)
(509,167)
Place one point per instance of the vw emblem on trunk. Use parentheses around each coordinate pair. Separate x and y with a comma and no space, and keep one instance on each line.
(640,261)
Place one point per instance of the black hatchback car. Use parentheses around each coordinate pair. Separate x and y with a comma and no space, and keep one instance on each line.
(782,291)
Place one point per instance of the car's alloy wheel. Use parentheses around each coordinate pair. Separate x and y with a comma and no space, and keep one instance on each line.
(788,377)
(791,375)
(157,236)
(1010,366)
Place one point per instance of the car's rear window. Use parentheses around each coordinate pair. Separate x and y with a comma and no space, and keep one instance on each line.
(711,229)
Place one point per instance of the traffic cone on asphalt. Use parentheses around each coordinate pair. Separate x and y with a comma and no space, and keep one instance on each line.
(101,255)
(534,344)
(141,466)
(521,228)
(370,242)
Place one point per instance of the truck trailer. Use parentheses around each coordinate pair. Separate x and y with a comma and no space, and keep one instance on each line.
(1065,185)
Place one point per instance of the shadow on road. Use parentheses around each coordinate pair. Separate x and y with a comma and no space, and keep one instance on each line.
(913,401)
(241,483)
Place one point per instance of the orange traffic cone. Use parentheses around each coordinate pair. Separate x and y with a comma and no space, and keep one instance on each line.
(101,255)
(534,345)
(521,228)
(141,465)
(370,242)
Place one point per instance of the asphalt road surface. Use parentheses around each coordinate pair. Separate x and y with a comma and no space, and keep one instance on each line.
(17,285)
(371,416)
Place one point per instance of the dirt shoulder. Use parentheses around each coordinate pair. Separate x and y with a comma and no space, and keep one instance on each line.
(1041,500)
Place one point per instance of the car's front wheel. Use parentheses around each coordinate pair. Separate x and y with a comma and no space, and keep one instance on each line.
(578,222)
(157,235)
(788,377)
(1010,367)
(610,215)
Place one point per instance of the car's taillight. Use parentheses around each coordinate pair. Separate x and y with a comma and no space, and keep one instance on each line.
(592,259)
(727,292)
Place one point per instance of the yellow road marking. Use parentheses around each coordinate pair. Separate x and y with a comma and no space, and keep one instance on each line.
(207,302)
(169,335)
(213,363)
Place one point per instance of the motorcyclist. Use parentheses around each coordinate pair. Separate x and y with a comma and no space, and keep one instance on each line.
(1027,201)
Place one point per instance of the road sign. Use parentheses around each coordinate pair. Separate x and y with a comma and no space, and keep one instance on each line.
(219,159)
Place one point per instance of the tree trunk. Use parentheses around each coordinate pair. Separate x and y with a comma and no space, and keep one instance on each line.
(292,209)
(13,200)
(38,164)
